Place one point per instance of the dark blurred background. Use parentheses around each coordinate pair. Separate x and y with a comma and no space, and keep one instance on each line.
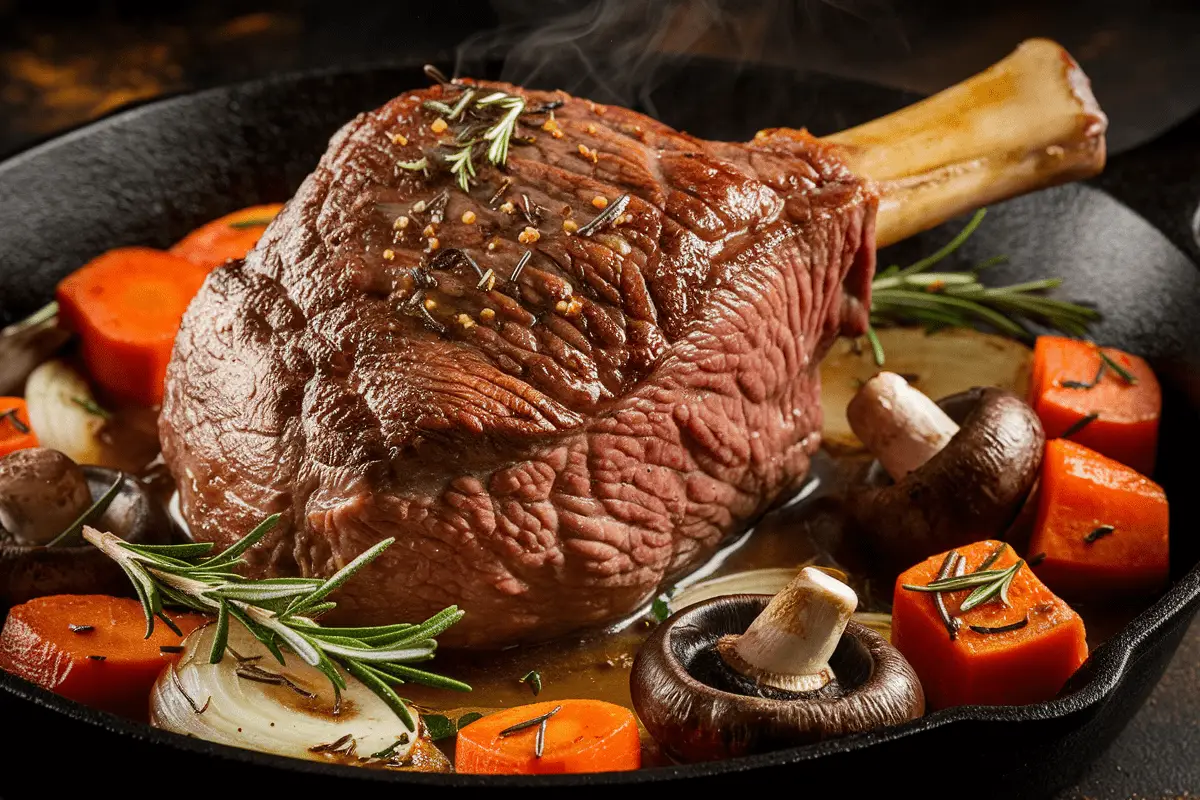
(59,69)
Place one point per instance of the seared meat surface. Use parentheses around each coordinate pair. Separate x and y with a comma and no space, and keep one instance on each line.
(546,447)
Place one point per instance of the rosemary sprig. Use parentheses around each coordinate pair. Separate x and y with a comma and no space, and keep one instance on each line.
(281,612)
(939,300)
(987,584)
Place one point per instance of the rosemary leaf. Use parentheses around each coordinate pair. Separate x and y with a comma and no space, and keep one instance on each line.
(1125,374)
(1079,425)
(534,679)
(90,515)
(221,637)
(1099,533)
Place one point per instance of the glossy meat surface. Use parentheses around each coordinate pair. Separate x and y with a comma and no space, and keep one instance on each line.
(547,452)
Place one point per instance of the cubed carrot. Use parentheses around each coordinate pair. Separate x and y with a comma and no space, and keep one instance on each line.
(1078,395)
(1001,653)
(1102,529)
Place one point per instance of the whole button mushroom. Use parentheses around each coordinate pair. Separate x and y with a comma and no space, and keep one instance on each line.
(41,493)
(960,469)
(744,674)
(44,493)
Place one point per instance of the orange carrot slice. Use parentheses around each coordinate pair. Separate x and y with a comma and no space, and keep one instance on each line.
(15,431)
(581,736)
(1013,654)
(126,306)
(1126,399)
(1102,527)
(92,649)
(229,238)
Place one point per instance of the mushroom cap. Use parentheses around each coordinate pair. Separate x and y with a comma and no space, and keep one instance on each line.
(694,720)
(42,491)
(972,489)
(29,571)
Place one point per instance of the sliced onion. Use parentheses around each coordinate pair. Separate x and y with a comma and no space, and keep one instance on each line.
(769,580)
(938,364)
(214,702)
(56,395)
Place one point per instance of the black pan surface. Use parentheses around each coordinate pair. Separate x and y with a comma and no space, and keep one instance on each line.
(150,174)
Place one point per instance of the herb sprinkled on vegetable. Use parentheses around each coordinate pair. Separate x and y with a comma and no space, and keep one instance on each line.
(1112,364)
(11,417)
(1079,425)
(92,407)
(1014,626)
(529,723)
(1099,533)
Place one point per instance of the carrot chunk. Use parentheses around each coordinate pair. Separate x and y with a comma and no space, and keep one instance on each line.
(91,649)
(126,306)
(581,736)
(1072,382)
(1104,529)
(15,432)
(1000,654)
(229,237)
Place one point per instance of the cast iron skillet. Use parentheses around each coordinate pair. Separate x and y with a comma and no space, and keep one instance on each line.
(148,175)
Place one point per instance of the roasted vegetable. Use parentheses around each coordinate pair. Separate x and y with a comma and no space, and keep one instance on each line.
(1001,639)
(1100,397)
(229,237)
(126,306)
(92,649)
(1102,529)
(556,736)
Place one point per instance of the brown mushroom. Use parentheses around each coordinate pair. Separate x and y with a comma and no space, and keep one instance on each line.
(42,493)
(948,473)
(744,674)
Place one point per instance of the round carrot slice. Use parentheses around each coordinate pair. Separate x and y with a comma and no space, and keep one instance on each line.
(126,306)
(228,238)
(579,736)
(15,432)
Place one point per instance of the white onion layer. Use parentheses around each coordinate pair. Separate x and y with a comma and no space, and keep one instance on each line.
(270,718)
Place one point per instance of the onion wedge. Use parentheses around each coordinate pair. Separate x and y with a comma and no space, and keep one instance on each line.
(250,700)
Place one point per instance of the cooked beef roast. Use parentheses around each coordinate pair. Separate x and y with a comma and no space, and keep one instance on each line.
(551,413)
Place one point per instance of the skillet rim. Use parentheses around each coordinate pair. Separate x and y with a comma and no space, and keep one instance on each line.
(1106,667)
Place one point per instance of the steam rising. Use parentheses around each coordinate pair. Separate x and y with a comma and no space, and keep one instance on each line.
(618,51)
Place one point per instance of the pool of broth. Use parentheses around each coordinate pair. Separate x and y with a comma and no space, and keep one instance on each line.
(810,529)
(806,530)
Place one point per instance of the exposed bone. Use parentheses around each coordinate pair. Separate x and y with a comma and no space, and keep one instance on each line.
(1027,122)
(899,425)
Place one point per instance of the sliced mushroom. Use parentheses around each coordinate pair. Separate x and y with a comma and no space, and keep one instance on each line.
(40,497)
(960,470)
(745,674)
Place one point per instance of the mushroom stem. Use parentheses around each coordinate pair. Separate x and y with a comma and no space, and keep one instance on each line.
(789,644)
(899,425)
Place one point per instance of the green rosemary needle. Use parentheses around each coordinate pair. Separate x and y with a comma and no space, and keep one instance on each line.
(936,300)
(281,612)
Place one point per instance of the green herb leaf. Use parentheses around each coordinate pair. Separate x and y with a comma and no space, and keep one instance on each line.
(1080,424)
(1125,374)
(468,718)
(439,727)
(91,407)
(534,679)
(94,512)
(258,222)
(11,417)
(184,575)
(958,300)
